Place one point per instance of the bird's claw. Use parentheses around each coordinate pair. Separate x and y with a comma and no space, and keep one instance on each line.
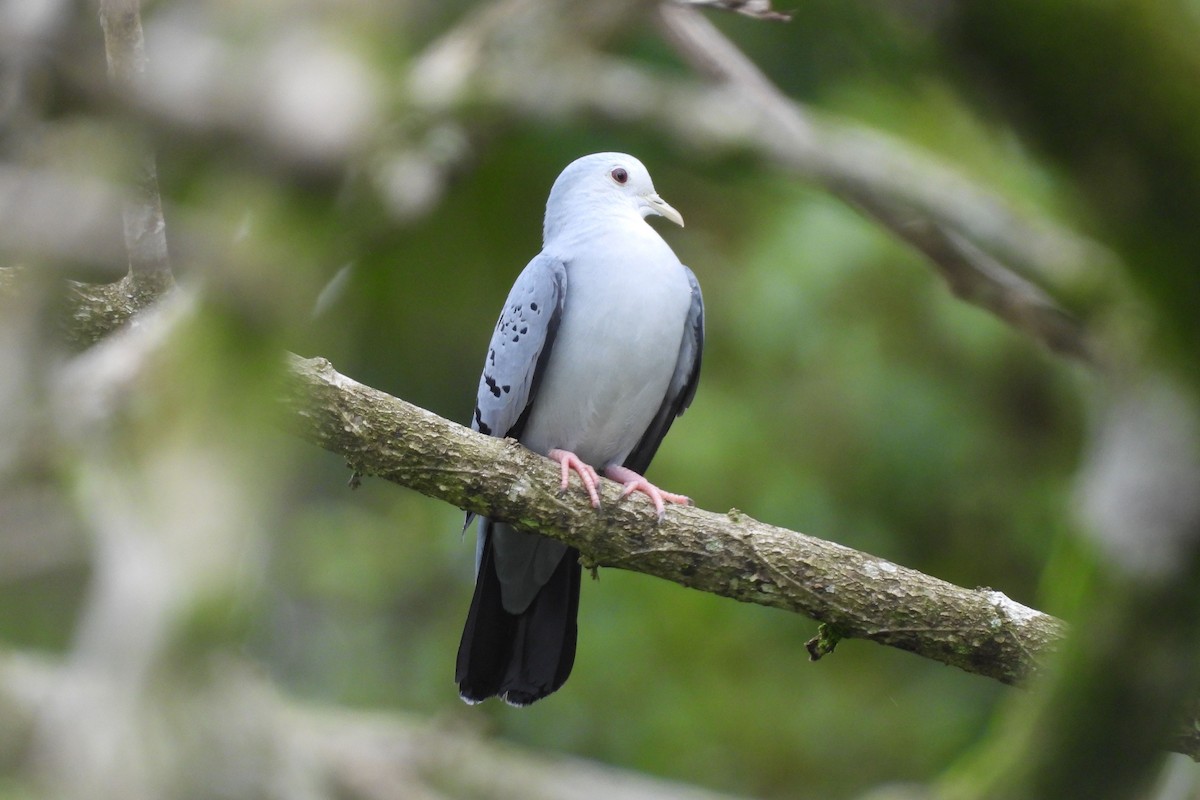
(569,461)
(633,482)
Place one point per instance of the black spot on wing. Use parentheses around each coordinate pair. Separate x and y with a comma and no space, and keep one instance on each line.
(480,425)
(558,294)
(491,384)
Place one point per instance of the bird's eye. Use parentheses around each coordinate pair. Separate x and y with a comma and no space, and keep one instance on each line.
(620,175)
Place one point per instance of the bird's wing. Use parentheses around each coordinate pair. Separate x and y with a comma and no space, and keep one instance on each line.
(520,348)
(516,362)
(682,387)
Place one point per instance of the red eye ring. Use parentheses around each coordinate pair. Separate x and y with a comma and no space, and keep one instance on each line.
(620,175)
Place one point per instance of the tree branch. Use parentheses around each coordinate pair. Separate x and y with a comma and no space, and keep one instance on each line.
(977,278)
(757,9)
(145,230)
(859,595)
(926,205)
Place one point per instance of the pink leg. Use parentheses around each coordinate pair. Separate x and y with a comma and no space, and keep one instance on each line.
(569,461)
(636,483)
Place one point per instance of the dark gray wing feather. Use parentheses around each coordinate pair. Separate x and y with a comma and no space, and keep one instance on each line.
(682,387)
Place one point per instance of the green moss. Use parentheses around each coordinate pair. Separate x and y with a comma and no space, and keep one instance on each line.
(825,642)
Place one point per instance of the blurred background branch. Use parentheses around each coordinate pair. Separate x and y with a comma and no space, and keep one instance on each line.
(316,752)
(922,203)
(145,230)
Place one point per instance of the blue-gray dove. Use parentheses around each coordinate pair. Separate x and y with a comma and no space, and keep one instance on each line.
(596,352)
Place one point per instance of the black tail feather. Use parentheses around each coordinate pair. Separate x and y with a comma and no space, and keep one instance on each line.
(519,657)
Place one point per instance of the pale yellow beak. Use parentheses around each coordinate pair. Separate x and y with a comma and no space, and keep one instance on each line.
(656,205)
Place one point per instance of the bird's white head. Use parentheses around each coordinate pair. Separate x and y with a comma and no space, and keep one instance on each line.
(602,185)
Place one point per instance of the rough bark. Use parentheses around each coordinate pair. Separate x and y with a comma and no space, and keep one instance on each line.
(856,594)
(94,311)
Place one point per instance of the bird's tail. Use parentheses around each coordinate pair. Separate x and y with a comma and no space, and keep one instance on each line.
(519,657)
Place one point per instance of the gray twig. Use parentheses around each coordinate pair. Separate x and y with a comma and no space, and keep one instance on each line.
(145,230)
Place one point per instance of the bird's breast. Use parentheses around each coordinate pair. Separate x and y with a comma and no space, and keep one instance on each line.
(613,357)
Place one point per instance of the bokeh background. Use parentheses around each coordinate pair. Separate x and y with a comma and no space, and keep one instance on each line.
(323,195)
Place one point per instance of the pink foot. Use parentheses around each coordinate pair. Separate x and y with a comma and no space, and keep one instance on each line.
(569,461)
(636,483)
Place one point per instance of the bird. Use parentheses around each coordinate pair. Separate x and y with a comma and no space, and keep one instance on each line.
(596,352)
